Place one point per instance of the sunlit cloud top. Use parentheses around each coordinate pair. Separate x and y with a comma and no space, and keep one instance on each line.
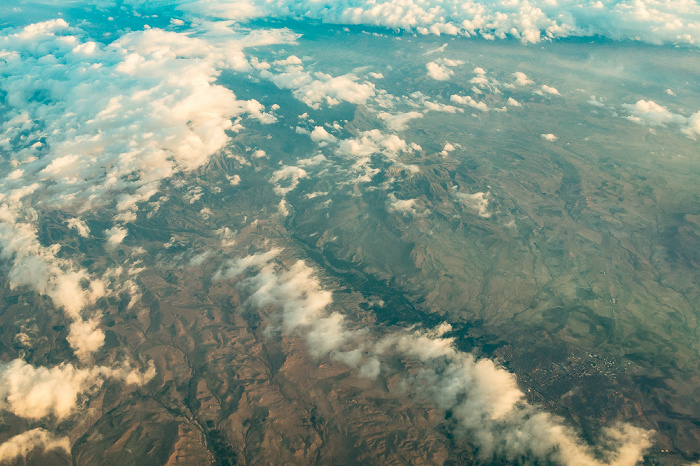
(650,21)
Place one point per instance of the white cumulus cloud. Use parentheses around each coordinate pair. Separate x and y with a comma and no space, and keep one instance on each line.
(650,113)
(550,90)
(321,136)
(37,392)
(468,100)
(531,21)
(484,398)
(440,69)
(317,88)
(477,202)
(291,175)
(521,79)
(19,446)
(399,121)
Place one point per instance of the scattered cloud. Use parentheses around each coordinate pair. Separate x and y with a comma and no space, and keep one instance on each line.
(116,120)
(322,137)
(447,149)
(290,60)
(521,79)
(40,268)
(477,202)
(92,125)
(513,103)
(298,294)
(399,122)
(199,259)
(595,102)
(480,80)
(406,207)
(360,152)
(437,50)
(650,113)
(37,392)
(439,72)
(316,88)
(290,174)
(373,142)
(316,194)
(282,208)
(440,107)
(85,337)
(312,161)
(19,446)
(80,226)
(115,236)
(549,137)
(468,100)
(550,90)
(440,68)
(692,127)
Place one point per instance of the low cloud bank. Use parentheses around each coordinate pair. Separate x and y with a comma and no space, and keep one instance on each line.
(484,398)
(529,21)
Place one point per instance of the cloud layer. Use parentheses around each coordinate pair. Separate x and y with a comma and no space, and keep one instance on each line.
(113,121)
(529,21)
